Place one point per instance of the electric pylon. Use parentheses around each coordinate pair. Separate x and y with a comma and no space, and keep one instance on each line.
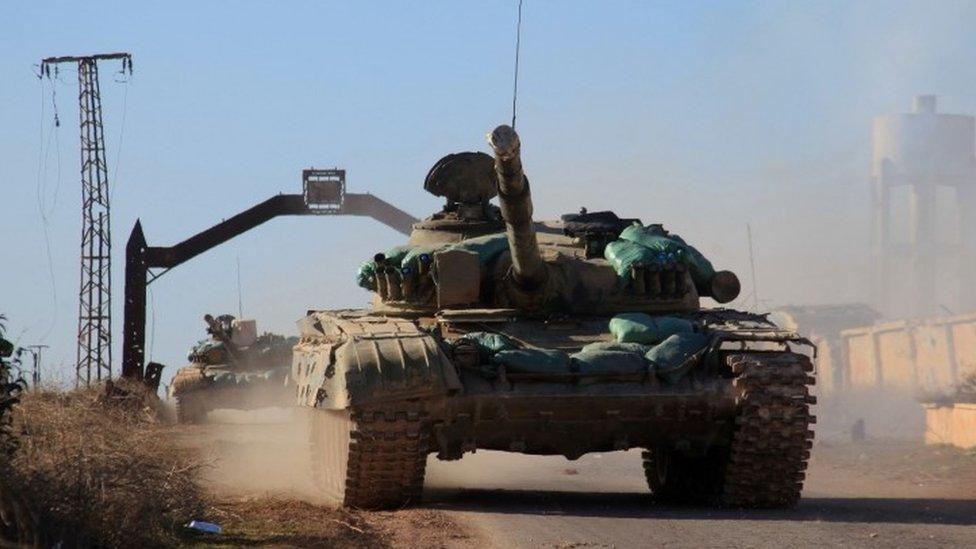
(95,294)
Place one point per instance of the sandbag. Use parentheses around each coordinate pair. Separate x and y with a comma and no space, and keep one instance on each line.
(647,329)
(489,343)
(394,256)
(623,254)
(670,359)
(366,276)
(609,362)
(671,247)
(638,348)
(410,258)
(533,361)
(487,247)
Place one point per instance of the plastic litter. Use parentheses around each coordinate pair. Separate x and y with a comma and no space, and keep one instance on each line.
(647,329)
(205,527)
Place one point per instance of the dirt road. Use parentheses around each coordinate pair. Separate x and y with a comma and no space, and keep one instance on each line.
(600,501)
(867,495)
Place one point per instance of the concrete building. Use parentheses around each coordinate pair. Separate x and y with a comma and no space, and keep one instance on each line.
(924,187)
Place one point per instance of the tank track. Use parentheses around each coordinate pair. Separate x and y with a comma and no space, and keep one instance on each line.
(384,461)
(676,478)
(765,463)
(191,408)
(772,439)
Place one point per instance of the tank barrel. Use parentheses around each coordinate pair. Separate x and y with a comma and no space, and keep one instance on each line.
(515,200)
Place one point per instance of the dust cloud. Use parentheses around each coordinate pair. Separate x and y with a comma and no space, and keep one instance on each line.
(253,453)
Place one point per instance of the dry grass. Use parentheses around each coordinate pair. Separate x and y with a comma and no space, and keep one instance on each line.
(274,522)
(98,470)
(966,388)
(269,521)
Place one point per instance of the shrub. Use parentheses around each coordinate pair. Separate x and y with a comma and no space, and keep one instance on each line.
(96,468)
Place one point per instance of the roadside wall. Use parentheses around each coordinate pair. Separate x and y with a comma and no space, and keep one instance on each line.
(879,374)
(953,424)
(923,357)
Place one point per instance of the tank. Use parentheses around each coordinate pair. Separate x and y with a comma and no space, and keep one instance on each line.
(234,368)
(492,330)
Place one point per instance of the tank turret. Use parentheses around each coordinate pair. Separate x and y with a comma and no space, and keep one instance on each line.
(473,254)
(528,269)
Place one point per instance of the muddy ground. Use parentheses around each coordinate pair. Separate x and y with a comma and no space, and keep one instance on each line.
(878,493)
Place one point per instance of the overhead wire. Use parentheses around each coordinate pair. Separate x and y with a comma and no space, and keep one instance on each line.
(114,182)
(44,210)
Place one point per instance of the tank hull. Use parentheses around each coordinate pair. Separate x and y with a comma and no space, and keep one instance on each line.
(403,375)
(199,389)
(571,425)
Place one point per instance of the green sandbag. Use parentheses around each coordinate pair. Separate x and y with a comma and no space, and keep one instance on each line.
(533,361)
(411,257)
(670,359)
(395,255)
(487,247)
(489,343)
(366,276)
(672,248)
(623,254)
(638,348)
(609,362)
(647,329)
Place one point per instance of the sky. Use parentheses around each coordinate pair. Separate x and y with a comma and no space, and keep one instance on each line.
(706,116)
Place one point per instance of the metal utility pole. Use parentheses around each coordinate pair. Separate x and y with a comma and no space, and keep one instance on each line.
(35,351)
(95,294)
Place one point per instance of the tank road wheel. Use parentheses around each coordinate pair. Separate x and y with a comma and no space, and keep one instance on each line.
(676,478)
(369,460)
(765,464)
(191,408)
(772,438)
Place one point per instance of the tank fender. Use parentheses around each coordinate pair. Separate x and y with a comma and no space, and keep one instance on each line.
(188,379)
(351,358)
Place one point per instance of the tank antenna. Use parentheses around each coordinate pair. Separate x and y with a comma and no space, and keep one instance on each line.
(752,264)
(518,43)
(240,299)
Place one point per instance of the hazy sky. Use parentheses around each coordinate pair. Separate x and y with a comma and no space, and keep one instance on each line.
(704,116)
